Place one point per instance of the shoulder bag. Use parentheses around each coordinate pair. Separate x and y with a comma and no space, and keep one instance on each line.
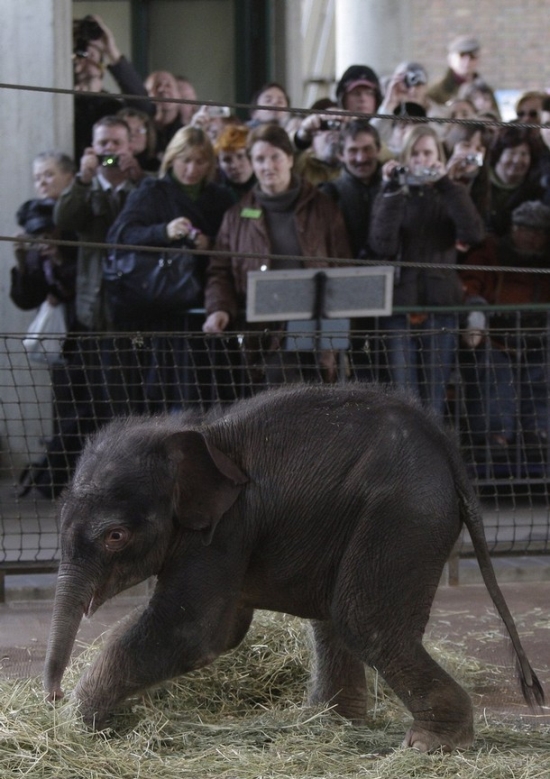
(151,282)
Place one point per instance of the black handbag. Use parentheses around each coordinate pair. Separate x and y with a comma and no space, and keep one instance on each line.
(140,282)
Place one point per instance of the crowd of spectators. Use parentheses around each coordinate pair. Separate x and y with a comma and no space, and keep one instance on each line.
(378,182)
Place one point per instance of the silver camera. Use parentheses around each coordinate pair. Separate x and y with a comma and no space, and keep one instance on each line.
(222,111)
(413,78)
(405,177)
(474,159)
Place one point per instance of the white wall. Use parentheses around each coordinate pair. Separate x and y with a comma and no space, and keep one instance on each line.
(372,32)
(34,50)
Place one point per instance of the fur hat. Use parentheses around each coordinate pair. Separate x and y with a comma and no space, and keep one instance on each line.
(533,214)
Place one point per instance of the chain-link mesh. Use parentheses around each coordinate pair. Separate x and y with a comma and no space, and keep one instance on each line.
(493,398)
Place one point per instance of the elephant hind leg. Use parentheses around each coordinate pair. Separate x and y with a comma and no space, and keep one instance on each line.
(442,710)
(338,677)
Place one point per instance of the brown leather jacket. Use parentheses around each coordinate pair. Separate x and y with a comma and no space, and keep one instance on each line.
(321,233)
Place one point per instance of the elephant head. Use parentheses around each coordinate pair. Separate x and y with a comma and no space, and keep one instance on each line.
(135,491)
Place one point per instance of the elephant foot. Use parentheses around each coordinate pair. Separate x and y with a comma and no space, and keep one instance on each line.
(423,740)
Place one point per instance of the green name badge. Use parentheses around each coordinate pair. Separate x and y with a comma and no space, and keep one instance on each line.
(251,213)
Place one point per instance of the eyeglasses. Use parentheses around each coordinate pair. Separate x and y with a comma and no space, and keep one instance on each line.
(531,114)
(138,131)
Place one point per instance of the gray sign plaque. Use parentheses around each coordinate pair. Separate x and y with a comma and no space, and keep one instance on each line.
(285,295)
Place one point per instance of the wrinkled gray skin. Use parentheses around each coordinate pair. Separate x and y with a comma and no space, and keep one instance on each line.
(339,505)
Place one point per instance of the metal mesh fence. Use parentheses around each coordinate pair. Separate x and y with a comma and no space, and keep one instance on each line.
(494,398)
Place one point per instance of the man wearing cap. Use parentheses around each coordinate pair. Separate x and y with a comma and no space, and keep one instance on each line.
(359,90)
(506,375)
(462,60)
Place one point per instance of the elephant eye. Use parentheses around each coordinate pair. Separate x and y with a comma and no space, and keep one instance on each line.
(117,538)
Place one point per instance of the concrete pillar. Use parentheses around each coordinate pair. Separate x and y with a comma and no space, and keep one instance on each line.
(35,50)
(372,32)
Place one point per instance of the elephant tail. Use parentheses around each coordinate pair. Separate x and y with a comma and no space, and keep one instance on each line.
(471,514)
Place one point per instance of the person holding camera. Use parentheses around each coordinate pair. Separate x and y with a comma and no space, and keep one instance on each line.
(317,140)
(107,173)
(182,209)
(89,206)
(93,45)
(419,219)
(407,85)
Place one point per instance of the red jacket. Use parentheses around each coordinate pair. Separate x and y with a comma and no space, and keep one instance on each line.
(502,287)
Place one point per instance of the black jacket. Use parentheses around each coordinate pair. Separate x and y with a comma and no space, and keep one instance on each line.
(156,202)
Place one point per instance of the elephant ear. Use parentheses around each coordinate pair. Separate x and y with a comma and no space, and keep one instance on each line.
(207,482)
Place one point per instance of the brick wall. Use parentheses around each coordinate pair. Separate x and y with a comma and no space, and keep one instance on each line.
(514,37)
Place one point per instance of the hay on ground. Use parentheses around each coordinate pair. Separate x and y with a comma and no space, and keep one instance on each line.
(244,718)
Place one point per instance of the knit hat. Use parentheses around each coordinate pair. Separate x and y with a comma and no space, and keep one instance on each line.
(36,216)
(358,75)
(533,214)
(464,44)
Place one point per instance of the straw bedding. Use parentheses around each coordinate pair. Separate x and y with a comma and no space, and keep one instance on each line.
(244,718)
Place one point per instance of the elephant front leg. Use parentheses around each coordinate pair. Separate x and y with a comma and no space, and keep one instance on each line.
(338,677)
(150,650)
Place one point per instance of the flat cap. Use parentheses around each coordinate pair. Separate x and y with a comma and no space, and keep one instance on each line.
(464,44)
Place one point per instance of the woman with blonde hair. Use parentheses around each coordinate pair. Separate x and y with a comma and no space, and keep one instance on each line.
(182,209)
(419,218)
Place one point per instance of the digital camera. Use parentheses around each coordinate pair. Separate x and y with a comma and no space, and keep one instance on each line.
(474,159)
(84,31)
(331,124)
(405,177)
(413,78)
(191,238)
(108,160)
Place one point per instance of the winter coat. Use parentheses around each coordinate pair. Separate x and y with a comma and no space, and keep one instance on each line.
(89,210)
(144,219)
(504,199)
(321,233)
(423,225)
(355,200)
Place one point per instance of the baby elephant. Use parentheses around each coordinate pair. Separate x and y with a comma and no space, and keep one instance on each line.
(336,504)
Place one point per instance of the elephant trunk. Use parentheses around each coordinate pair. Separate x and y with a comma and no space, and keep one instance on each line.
(72,595)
